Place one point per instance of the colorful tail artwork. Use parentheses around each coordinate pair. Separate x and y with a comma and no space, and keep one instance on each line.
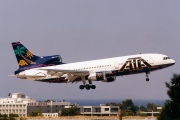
(26,59)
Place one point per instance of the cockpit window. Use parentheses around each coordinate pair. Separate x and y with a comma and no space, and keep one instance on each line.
(165,58)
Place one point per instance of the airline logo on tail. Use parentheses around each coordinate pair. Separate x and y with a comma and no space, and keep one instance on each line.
(25,54)
(22,63)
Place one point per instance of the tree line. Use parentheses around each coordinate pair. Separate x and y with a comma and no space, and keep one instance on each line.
(8,117)
(129,109)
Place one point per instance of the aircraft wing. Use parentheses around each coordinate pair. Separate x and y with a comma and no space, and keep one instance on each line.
(65,71)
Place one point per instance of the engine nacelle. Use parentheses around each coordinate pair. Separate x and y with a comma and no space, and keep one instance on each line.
(55,59)
(110,79)
(98,76)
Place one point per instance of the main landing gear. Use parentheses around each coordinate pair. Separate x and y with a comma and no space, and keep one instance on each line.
(147,78)
(87,86)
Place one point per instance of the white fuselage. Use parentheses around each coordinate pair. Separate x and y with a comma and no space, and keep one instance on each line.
(132,63)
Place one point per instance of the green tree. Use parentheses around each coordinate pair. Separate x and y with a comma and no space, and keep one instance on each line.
(171,109)
(36,113)
(151,107)
(142,108)
(13,115)
(49,100)
(3,117)
(112,104)
(128,107)
(70,111)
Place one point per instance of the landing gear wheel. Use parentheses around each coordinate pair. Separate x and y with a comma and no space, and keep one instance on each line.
(87,87)
(81,87)
(147,78)
(93,87)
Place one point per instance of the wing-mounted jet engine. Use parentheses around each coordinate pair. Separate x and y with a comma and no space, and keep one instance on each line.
(101,76)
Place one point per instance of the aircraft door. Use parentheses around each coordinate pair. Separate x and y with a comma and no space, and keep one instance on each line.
(151,61)
(116,65)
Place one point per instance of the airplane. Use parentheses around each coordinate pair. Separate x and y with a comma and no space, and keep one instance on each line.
(51,68)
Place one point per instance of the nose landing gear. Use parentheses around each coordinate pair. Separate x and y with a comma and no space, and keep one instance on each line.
(147,78)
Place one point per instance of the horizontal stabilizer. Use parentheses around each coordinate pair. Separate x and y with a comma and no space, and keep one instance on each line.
(31,75)
(12,75)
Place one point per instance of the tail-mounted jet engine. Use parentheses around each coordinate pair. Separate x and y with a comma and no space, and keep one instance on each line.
(54,59)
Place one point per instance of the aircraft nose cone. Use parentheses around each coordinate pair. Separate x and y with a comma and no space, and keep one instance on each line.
(173,61)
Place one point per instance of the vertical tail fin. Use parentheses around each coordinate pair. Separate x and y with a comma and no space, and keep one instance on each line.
(24,56)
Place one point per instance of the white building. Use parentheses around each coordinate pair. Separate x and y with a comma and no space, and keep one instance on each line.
(15,105)
(47,107)
(23,106)
(101,110)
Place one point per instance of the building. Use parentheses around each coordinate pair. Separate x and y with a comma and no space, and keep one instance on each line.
(101,110)
(47,107)
(23,106)
(15,105)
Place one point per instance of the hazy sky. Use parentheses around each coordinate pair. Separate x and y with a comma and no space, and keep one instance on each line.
(81,30)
